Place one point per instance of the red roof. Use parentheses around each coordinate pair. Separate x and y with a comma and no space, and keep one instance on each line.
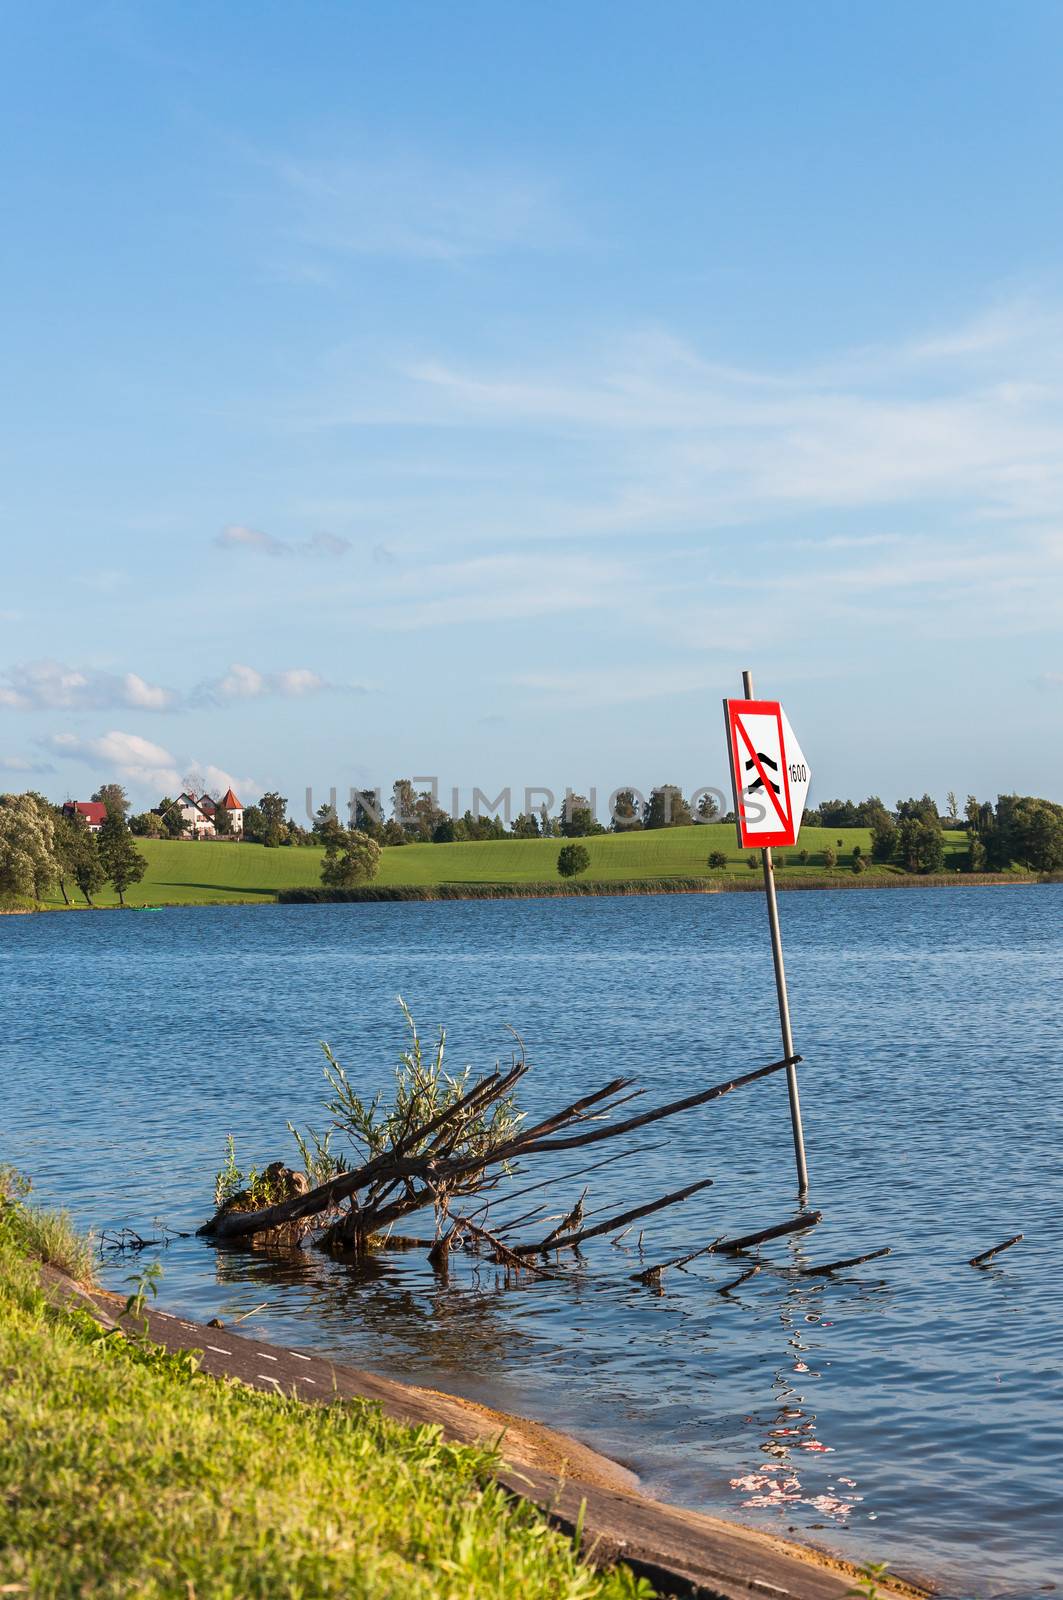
(94,811)
(230,802)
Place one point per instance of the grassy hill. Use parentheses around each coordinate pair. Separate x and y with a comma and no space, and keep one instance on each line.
(183,873)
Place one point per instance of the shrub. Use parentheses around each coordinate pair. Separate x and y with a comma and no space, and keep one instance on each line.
(46,1235)
(830,857)
(573,859)
(859,864)
(717,860)
(350,858)
(751,863)
(803,857)
(857,852)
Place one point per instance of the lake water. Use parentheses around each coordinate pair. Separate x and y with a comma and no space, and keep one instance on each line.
(908,1411)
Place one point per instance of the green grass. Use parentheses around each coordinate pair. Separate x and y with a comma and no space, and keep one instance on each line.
(43,1233)
(183,873)
(125,1472)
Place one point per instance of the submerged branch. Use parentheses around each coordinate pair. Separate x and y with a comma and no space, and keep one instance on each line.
(987,1255)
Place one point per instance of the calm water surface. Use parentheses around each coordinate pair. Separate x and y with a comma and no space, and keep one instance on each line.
(909,1411)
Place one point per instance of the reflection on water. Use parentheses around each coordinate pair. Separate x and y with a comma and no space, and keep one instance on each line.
(904,1410)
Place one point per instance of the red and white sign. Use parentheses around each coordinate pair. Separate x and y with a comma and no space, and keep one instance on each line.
(769,773)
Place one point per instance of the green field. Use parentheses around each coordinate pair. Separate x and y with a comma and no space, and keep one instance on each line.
(183,873)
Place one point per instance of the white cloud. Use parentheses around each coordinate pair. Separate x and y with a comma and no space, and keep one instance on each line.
(298,682)
(969,418)
(242,682)
(127,755)
(22,764)
(139,761)
(145,696)
(319,546)
(51,686)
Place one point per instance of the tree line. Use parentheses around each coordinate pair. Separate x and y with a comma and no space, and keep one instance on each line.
(42,847)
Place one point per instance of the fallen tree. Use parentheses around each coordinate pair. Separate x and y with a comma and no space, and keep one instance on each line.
(441,1142)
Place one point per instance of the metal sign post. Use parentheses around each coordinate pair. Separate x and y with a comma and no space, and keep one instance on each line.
(794,777)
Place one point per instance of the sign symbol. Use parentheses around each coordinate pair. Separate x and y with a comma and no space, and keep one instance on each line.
(769,772)
(765,761)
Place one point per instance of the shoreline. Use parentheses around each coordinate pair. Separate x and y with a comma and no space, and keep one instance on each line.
(579,1490)
(598,889)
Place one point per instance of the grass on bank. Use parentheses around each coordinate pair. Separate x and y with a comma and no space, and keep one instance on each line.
(184,873)
(43,1233)
(125,1472)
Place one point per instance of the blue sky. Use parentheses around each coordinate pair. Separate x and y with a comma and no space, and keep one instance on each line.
(474,390)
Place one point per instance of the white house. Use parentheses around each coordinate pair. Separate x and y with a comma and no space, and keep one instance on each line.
(231,804)
(197,813)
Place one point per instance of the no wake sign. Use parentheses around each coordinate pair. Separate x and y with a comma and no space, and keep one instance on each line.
(769,773)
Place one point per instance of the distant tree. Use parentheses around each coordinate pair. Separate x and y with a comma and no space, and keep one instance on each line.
(857,852)
(666,808)
(65,848)
(428,815)
(254,824)
(147,825)
(297,835)
(394,833)
(350,860)
(717,860)
(923,810)
(837,814)
(708,808)
(471,826)
(573,859)
(625,812)
(223,822)
(445,831)
(526,826)
(804,857)
(952,807)
(402,805)
(546,826)
(871,810)
(89,874)
(367,812)
(576,819)
(920,847)
(1037,831)
(274,809)
(114,797)
(976,853)
(752,863)
(883,838)
(120,859)
(28,863)
(830,857)
(859,864)
(169,814)
(326,825)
